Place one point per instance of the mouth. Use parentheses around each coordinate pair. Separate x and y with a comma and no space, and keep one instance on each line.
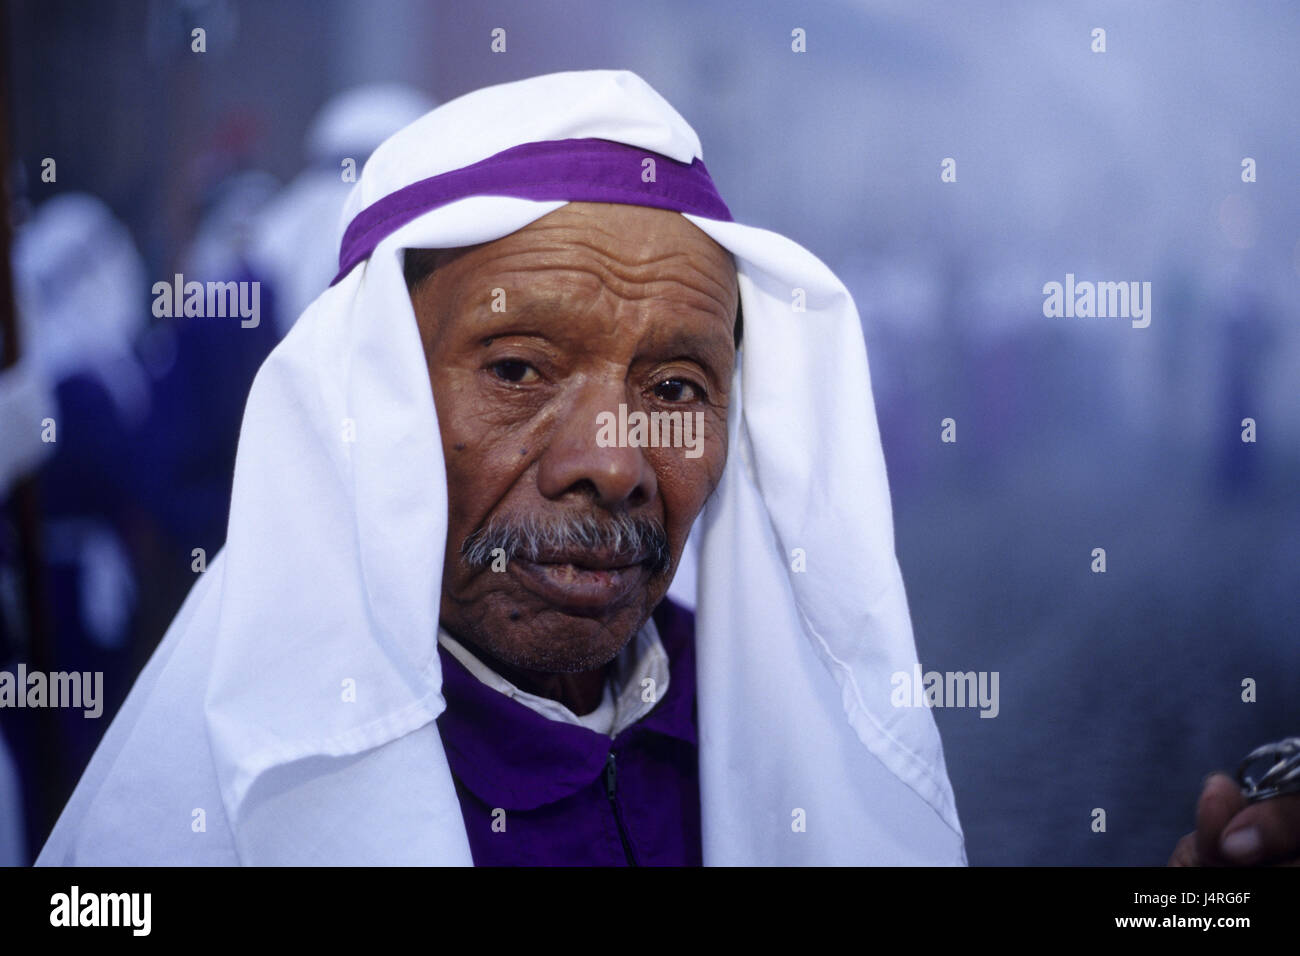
(582,582)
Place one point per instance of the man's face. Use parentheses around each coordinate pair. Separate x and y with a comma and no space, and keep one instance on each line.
(596,305)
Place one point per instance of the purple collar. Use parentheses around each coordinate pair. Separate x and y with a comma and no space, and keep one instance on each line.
(575,170)
(512,757)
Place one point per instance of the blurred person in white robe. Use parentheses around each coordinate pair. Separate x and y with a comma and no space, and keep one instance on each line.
(295,237)
(70,412)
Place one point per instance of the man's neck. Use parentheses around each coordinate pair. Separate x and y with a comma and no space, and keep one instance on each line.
(581,692)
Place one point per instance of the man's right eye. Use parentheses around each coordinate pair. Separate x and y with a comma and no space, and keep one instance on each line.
(514,371)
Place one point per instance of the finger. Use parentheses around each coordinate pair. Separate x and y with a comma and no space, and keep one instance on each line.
(1265,832)
(1185,852)
(1220,801)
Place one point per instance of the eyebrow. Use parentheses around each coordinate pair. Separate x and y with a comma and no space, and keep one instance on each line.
(688,341)
(556,307)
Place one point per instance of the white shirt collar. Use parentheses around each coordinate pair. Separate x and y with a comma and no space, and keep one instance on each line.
(638,680)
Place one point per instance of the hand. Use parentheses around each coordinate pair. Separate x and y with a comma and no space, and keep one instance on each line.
(1232,832)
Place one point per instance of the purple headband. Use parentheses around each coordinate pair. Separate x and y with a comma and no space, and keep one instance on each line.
(576,170)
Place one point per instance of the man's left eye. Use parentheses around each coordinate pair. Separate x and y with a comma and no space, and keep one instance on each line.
(514,371)
(678,390)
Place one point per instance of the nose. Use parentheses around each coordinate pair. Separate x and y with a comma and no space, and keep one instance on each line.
(618,477)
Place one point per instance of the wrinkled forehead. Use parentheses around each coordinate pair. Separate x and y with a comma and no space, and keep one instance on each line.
(638,241)
(585,252)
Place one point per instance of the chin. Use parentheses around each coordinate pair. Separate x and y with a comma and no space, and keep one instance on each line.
(517,627)
(560,643)
(553,640)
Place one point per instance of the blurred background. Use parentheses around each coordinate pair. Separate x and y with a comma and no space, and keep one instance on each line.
(131,157)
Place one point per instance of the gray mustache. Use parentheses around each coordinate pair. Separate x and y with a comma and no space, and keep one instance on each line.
(533,539)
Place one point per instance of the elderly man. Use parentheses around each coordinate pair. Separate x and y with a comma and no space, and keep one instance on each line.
(439,631)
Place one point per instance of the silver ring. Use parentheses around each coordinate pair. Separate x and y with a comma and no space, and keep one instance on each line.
(1271,770)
